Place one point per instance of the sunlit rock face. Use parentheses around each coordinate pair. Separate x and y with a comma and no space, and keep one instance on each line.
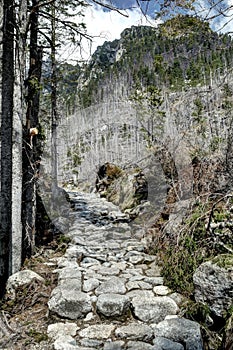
(126,188)
(213,282)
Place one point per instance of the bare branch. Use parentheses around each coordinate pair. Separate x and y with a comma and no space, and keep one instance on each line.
(66,24)
(110,7)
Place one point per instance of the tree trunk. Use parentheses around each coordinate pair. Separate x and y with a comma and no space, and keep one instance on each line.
(6,142)
(54,103)
(19,115)
(31,156)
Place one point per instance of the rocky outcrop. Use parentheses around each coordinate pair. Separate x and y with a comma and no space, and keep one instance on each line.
(126,188)
(213,282)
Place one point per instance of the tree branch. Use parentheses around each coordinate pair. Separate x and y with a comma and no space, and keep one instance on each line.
(110,7)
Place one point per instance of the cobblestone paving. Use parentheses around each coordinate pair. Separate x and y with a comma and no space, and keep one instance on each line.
(110,295)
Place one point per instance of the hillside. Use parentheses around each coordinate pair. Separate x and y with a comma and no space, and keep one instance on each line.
(182,52)
(161,100)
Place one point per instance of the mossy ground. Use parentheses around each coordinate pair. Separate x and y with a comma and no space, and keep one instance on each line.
(224,260)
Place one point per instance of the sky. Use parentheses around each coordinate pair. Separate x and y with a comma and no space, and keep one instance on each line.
(106,25)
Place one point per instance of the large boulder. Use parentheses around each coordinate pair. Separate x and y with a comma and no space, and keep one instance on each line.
(180,330)
(112,304)
(213,281)
(126,188)
(21,278)
(67,300)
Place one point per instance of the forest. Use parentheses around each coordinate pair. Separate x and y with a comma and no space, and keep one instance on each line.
(162,93)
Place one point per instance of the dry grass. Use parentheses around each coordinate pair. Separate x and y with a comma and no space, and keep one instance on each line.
(24,320)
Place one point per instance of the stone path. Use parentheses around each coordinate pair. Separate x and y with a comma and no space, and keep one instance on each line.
(110,295)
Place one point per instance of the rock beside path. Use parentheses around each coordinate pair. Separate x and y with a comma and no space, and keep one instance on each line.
(21,278)
(213,281)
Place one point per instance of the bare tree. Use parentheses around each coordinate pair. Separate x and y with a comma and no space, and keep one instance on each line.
(6,141)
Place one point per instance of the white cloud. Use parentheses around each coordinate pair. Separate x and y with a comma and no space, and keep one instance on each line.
(105,26)
(222,23)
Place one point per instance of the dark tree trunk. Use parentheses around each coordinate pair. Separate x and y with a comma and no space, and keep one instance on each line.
(31,156)
(6,142)
(54,116)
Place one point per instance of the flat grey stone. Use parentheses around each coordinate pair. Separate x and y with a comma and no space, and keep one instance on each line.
(93,298)
(166,344)
(98,331)
(135,331)
(133,244)
(90,284)
(149,258)
(136,259)
(128,276)
(136,278)
(91,343)
(138,345)
(112,245)
(144,267)
(81,348)
(178,298)
(65,262)
(153,272)
(69,273)
(65,342)
(131,253)
(153,310)
(70,284)
(59,329)
(146,294)
(73,252)
(92,274)
(76,239)
(112,304)
(120,265)
(112,285)
(134,271)
(154,281)
(69,303)
(117,235)
(182,331)
(138,285)
(115,345)
(161,290)
(89,261)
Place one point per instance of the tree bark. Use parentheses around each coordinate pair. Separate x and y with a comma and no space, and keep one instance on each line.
(18,117)
(54,101)
(31,157)
(6,142)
